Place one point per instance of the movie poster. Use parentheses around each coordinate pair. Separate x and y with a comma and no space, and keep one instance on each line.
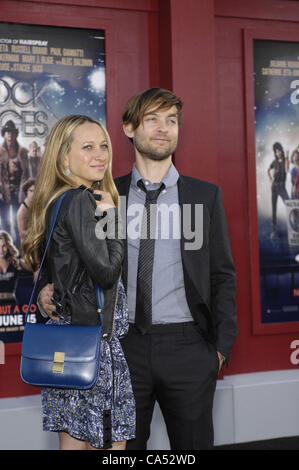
(45,74)
(276,77)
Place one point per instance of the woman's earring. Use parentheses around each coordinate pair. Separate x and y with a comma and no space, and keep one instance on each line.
(67,171)
(98,183)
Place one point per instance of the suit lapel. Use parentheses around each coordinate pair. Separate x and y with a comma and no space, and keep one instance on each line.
(191,260)
(185,197)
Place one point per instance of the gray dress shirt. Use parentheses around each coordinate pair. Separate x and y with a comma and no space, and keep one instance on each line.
(169,304)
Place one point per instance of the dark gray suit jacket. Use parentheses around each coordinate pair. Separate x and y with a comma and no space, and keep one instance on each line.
(209,272)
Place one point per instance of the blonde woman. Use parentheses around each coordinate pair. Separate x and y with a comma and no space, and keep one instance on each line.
(10,266)
(78,156)
(9,254)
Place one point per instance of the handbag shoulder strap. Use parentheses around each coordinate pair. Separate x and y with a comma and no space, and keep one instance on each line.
(98,289)
(57,207)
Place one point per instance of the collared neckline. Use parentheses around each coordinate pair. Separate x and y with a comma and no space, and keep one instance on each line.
(170,179)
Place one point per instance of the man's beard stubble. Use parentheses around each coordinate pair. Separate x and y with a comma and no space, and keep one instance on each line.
(148,151)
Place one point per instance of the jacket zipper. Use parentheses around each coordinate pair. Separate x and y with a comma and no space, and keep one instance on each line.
(78,282)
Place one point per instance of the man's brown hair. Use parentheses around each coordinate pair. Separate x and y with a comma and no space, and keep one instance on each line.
(153,98)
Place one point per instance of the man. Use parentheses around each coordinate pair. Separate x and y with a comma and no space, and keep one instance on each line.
(14,171)
(35,158)
(183,332)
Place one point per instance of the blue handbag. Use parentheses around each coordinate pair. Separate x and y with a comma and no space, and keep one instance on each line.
(61,355)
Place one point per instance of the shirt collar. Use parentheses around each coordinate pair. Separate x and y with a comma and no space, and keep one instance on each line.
(170,179)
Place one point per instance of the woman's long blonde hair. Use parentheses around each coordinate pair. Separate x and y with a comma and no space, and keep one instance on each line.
(52,181)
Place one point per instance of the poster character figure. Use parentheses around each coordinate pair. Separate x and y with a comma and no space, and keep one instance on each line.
(296,187)
(295,174)
(34,158)
(10,267)
(277,173)
(14,171)
(22,214)
(294,219)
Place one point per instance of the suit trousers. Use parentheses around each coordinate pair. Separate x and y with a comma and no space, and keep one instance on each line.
(174,365)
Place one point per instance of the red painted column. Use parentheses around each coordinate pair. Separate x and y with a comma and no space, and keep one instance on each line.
(193,79)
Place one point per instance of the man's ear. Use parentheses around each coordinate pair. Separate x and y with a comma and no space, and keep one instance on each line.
(128,130)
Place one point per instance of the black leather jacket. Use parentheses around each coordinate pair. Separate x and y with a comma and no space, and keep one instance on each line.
(77,258)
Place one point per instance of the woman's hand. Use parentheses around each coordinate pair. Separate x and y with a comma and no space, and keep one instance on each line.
(105,202)
(46,302)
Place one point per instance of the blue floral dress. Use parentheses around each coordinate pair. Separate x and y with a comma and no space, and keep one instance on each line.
(106,412)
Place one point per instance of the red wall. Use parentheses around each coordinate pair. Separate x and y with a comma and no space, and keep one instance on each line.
(197,49)
(252,352)
(131,29)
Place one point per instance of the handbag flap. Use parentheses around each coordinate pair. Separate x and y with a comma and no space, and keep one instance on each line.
(78,343)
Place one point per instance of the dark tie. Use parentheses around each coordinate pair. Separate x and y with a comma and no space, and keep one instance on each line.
(143,313)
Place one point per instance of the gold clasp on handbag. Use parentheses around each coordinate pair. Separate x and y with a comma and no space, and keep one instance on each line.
(58,363)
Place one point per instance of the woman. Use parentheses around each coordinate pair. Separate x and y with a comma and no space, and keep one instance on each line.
(22,214)
(277,173)
(10,266)
(294,174)
(12,271)
(78,156)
